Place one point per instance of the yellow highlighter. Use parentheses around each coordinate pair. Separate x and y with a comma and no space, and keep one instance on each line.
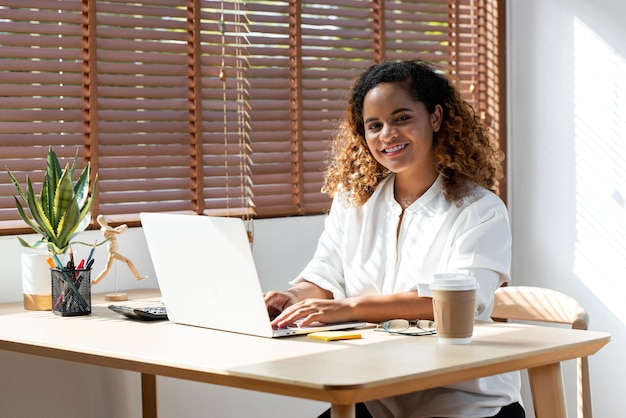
(51,263)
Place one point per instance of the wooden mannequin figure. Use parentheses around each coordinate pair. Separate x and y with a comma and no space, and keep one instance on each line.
(110,234)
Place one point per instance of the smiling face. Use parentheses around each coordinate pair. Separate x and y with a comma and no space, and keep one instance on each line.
(399,131)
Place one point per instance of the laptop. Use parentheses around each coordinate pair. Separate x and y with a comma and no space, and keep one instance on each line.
(207,276)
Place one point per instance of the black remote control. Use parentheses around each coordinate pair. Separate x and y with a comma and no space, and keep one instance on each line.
(149,313)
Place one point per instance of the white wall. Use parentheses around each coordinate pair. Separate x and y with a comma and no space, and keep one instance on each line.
(281,249)
(567,179)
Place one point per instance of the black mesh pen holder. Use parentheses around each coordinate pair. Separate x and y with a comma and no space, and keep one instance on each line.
(71,292)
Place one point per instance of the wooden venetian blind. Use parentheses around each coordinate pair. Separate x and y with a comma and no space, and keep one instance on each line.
(143,143)
(41,91)
(213,107)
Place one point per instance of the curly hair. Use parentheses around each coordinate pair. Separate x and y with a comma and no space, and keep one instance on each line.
(465,152)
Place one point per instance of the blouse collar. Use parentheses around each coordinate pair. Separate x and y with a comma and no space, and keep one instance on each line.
(433,191)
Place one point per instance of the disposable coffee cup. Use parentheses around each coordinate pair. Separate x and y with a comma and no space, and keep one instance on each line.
(454,306)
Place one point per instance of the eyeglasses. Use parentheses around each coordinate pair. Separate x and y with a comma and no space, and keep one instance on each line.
(406,327)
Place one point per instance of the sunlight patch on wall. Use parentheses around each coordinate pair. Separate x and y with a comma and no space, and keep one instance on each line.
(600,147)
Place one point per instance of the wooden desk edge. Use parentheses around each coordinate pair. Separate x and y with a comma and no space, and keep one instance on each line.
(344,395)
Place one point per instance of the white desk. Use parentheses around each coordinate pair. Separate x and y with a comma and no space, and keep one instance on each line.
(340,372)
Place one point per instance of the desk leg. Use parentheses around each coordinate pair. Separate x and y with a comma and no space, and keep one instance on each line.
(148,395)
(546,384)
(342,411)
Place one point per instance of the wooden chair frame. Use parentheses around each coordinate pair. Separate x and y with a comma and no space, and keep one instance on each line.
(536,304)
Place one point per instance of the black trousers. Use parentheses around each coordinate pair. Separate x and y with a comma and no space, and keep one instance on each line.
(514,410)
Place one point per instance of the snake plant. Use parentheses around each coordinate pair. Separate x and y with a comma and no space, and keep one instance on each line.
(62,210)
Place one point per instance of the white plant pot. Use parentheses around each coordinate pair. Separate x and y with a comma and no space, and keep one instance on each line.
(36,281)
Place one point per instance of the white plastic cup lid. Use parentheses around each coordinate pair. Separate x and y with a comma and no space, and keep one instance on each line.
(453,281)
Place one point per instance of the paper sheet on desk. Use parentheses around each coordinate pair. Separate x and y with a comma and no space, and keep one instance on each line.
(335,335)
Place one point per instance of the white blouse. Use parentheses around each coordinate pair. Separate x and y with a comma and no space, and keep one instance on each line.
(361,253)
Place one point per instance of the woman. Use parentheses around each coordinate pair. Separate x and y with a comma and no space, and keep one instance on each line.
(411,176)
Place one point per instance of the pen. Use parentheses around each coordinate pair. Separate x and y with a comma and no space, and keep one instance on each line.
(61,297)
(91,252)
(87,267)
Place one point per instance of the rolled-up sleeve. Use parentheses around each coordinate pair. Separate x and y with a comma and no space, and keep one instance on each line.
(481,239)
